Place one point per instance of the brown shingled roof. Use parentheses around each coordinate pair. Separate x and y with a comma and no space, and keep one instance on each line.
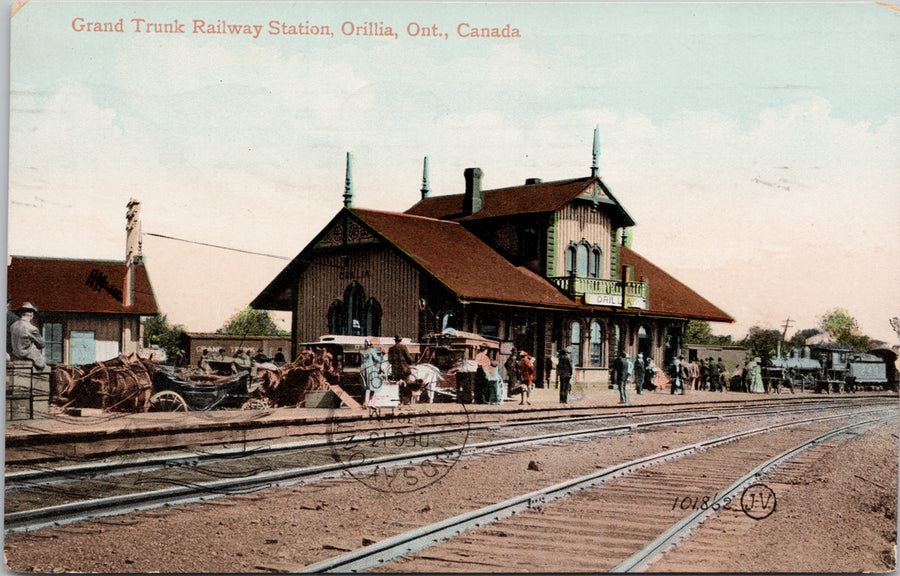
(91,286)
(517,200)
(668,296)
(461,261)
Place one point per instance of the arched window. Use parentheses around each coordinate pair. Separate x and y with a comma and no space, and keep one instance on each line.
(354,315)
(448,320)
(596,344)
(617,339)
(373,317)
(570,260)
(336,321)
(355,303)
(581,261)
(575,343)
(596,262)
(645,342)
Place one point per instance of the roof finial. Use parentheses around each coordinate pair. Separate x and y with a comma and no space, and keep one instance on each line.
(595,168)
(426,188)
(348,184)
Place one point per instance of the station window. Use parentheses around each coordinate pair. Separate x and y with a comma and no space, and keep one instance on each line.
(53,342)
(575,343)
(570,260)
(354,315)
(530,243)
(373,317)
(596,344)
(596,262)
(448,320)
(581,266)
(488,325)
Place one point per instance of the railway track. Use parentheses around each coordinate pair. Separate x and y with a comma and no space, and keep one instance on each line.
(620,518)
(52,474)
(140,438)
(186,492)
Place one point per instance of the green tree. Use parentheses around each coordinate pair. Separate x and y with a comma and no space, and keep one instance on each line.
(844,329)
(698,332)
(761,342)
(158,332)
(798,340)
(252,322)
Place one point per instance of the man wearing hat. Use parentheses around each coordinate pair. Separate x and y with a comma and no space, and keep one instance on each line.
(25,339)
(564,373)
(400,360)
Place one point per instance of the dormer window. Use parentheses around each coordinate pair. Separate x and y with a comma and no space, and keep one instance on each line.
(581,261)
(596,262)
(530,242)
(584,260)
(570,260)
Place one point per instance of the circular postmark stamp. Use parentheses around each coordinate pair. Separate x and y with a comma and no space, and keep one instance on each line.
(370,449)
(758,501)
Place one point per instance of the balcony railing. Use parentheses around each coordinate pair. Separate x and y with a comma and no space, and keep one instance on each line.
(602,292)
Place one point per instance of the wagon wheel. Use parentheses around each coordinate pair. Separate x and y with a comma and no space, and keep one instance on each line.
(256,404)
(167,401)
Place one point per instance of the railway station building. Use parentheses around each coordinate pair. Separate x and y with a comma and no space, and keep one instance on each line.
(538,266)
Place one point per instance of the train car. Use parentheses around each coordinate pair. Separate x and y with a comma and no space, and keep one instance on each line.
(889,357)
(831,368)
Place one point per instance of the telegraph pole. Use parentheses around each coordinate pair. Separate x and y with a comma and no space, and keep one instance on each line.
(787,324)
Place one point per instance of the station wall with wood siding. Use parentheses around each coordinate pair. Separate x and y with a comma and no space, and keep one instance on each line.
(383,273)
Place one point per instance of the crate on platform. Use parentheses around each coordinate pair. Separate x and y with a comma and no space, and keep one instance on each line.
(27,391)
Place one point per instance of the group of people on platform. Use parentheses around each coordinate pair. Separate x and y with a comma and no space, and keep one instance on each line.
(707,374)
(520,372)
(642,371)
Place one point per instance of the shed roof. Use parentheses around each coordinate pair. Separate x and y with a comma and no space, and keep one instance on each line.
(88,286)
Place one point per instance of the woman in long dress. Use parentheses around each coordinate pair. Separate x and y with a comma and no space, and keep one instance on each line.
(370,370)
(756,383)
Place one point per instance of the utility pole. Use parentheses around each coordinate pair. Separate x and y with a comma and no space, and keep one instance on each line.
(787,324)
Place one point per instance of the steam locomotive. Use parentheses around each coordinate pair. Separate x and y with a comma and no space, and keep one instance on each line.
(833,369)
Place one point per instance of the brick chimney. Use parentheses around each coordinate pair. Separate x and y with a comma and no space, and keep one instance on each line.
(132,249)
(474,198)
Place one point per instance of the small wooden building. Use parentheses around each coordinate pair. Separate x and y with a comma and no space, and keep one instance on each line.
(88,310)
(81,306)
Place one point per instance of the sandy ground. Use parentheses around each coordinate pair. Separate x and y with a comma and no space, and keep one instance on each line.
(294,527)
(839,514)
(298,526)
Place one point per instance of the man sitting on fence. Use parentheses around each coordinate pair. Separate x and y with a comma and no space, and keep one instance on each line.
(25,339)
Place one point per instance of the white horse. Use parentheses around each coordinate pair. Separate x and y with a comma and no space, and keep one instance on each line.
(430,376)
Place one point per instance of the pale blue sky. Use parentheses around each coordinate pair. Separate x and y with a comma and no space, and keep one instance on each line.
(756,144)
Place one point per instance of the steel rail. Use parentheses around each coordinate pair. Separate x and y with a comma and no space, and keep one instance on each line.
(200,491)
(683,528)
(413,541)
(17,481)
(71,512)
